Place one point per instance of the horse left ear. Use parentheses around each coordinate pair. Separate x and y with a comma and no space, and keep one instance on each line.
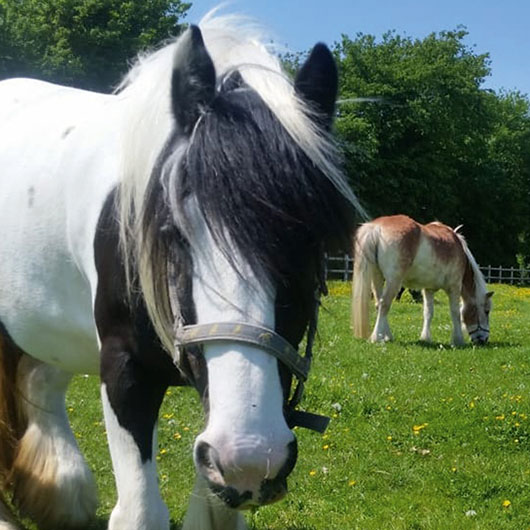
(193,80)
(489,294)
(317,83)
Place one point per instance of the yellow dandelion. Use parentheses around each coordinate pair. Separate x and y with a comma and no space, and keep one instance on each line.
(312,473)
(177,436)
(163,451)
(418,428)
(506,503)
(389,438)
(352,483)
(325,447)
(500,417)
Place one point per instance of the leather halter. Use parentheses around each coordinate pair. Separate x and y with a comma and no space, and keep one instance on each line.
(265,339)
(269,341)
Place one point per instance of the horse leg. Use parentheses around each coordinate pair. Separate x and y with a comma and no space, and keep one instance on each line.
(132,396)
(51,481)
(382,331)
(207,512)
(6,520)
(428,311)
(457,338)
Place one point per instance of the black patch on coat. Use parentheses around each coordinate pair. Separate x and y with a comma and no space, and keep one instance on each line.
(134,367)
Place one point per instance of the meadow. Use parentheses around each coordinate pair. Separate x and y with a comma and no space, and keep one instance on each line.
(421,437)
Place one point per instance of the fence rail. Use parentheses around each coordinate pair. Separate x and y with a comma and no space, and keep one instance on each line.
(341,268)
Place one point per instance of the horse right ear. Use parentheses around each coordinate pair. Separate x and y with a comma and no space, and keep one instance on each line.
(317,83)
(193,80)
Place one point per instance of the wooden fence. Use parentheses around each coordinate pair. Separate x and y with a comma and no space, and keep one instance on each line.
(341,268)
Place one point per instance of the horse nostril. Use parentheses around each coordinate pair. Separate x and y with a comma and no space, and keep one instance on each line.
(208,462)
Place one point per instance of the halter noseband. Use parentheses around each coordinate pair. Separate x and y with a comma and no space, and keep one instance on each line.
(265,339)
(187,336)
(258,336)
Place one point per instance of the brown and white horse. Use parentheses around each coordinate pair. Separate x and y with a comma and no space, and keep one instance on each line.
(396,250)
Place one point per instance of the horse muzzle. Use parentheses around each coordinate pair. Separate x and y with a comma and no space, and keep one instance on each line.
(244,479)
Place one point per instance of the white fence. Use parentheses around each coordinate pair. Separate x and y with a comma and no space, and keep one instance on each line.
(341,268)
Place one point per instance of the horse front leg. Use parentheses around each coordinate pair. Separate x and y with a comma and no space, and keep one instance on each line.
(132,396)
(207,512)
(428,312)
(457,338)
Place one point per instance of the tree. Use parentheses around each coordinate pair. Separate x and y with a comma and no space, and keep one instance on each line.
(432,143)
(85,43)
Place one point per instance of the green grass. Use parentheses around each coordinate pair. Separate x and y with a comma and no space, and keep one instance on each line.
(420,435)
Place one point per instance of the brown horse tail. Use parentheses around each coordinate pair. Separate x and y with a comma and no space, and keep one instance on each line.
(12,421)
(365,260)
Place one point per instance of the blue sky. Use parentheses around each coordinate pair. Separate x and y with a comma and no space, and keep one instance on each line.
(500,27)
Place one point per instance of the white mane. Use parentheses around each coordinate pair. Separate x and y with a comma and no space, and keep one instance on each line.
(234,43)
(480,283)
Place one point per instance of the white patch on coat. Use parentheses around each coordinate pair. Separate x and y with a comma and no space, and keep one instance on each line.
(139,503)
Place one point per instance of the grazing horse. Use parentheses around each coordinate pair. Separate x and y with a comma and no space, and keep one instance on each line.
(171,233)
(396,251)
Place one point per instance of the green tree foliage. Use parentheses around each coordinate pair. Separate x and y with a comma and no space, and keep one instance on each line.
(432,143)
(85,43)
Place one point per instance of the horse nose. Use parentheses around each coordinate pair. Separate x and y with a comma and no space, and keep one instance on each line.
(481,340)
(244,473)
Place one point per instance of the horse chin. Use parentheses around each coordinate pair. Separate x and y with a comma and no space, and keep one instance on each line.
(271,491)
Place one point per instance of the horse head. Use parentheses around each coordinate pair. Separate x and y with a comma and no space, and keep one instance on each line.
(241,211)
(475,312)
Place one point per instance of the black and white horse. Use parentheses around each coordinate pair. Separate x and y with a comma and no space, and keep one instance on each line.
(171,233)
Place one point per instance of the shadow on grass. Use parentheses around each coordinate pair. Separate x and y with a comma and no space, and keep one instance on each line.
(467,346)
(101,523)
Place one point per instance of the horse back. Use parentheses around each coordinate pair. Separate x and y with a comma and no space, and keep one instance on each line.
(420,256)
(56,154)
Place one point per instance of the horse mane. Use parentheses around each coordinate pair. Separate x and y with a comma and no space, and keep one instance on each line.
(478,278)
(235,45)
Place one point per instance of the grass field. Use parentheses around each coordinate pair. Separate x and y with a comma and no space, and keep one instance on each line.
(422,436)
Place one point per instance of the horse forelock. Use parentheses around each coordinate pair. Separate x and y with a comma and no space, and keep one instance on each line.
(282,135)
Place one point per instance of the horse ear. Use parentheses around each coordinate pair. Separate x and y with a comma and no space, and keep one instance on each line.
(317,83)
(193,80)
